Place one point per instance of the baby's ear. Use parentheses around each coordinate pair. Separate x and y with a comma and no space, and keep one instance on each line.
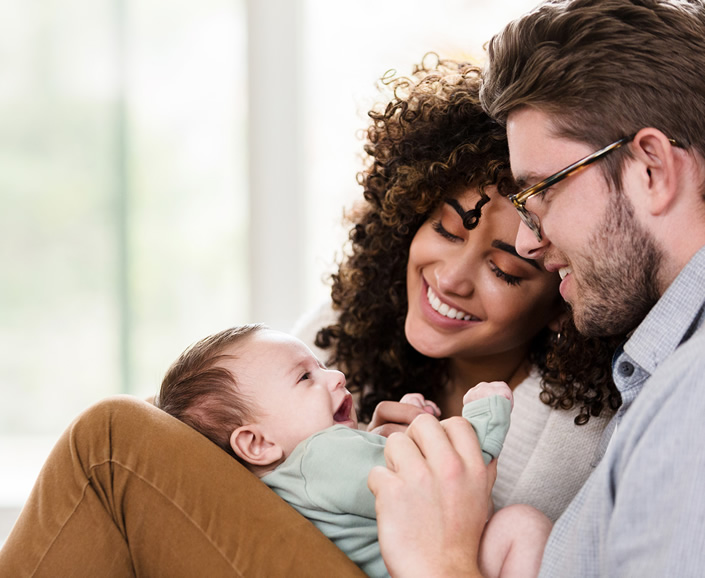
(251,445)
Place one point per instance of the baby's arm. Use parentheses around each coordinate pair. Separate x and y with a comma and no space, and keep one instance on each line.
(487,407)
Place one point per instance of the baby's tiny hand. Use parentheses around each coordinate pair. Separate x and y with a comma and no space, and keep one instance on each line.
(421,402)
(488,388)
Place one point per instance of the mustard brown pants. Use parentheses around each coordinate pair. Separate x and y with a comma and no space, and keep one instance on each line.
(130,491)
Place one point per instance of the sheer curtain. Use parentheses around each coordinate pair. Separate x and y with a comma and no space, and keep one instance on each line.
(124,212)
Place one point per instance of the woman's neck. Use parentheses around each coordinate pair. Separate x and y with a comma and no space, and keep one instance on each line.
(466,374)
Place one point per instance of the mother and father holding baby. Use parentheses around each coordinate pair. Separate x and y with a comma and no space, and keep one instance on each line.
(448,284)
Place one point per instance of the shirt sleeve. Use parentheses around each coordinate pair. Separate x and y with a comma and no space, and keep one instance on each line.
(335,466)
(489,417)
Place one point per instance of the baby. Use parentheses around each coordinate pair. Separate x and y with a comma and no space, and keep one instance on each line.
(263,397)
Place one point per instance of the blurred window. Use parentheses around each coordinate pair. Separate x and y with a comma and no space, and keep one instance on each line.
(124,208)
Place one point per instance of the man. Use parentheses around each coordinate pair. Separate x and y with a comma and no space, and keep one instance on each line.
(604,103)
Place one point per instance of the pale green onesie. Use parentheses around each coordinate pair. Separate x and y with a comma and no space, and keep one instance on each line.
(325,479)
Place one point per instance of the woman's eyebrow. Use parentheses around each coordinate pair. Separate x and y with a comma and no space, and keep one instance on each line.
(458,207)
(511,249)
(469,217)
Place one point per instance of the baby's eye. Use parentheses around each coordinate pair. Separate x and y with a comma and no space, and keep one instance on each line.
(305,376)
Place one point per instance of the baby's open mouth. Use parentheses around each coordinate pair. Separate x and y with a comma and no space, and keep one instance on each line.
(343,413)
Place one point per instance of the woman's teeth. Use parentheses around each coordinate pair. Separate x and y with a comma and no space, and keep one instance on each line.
(564,271)
(444,309)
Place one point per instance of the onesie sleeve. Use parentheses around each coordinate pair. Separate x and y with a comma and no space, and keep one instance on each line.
(489,418)
(335,466)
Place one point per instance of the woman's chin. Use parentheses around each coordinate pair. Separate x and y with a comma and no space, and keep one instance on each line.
(427,343)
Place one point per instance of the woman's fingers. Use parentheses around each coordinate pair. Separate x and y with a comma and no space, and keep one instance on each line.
(388,429)
(393,412)
(413,399)
(421,402)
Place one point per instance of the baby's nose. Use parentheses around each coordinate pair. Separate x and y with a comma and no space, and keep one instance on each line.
(336,379)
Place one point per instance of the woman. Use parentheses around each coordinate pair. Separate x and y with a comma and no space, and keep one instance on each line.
(433,298)
(130,491)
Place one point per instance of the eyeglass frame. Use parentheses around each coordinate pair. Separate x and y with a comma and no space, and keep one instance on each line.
(519,200)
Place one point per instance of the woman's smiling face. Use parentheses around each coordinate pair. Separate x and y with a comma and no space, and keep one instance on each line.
(470,294)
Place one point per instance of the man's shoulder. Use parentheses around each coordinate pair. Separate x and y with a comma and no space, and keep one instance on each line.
(686,365)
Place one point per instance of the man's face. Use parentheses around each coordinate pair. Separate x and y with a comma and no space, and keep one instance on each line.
(606,259)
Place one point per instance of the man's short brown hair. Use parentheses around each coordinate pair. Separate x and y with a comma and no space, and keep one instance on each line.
(604,69)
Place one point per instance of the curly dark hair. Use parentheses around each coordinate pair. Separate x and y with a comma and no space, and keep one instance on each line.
(431,140)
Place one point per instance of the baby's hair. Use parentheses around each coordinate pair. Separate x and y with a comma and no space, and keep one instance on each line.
(204,395)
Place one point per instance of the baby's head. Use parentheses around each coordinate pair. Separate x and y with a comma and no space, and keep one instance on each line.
(255,392)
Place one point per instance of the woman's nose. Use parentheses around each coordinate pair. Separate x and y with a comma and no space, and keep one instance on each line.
(454,276)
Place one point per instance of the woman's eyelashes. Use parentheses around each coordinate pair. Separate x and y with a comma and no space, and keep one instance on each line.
(443,232)
(506,277)
(512,280)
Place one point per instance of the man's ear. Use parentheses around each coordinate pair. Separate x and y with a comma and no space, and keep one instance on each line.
(658,178)
(251,445)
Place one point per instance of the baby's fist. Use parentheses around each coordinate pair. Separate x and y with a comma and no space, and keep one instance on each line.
(487,389)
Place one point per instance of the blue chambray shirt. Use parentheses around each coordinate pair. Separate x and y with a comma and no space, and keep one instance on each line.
(642,512)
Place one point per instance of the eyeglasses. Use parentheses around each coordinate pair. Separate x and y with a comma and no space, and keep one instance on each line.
(519,200)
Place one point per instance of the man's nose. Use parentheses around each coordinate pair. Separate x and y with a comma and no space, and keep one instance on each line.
(528,245)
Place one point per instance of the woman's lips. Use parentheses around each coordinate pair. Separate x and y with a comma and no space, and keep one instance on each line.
(446,310)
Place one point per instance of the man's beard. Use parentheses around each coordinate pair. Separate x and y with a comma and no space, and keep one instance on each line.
(618,280)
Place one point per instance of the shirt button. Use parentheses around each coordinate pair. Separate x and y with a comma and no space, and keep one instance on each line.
(626,369)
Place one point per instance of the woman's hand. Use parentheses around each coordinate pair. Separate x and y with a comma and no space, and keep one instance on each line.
(395,416)
(431,499)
